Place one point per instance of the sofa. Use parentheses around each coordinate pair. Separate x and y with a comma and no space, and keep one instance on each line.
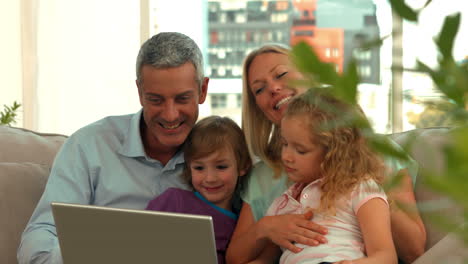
(25,161)
(26,158)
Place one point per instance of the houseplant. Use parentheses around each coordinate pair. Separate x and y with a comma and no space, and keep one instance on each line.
(449,77)
(9,114)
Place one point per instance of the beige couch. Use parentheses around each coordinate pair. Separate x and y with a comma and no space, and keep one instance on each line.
(26,158)
(25,161)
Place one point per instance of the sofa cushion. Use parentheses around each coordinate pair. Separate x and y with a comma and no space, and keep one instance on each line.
(22,145)
(21,186)
(426,147)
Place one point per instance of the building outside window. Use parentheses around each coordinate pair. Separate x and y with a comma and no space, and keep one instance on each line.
(218,101)
(226,30)
(336,29)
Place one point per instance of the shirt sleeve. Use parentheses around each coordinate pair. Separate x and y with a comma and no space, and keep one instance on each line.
(69,181)
(394,165)
(365,192)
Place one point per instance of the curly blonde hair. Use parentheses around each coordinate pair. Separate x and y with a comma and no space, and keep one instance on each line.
(348,160)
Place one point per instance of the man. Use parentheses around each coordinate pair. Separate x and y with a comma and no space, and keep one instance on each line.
(125,161)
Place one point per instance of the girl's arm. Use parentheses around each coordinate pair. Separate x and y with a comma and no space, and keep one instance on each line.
(409,233)
(250,238)
(374,220)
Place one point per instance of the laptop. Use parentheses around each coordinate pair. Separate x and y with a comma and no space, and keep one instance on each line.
(94,234)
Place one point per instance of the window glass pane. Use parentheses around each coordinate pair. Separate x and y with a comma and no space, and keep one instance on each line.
(218,101)
(418,44)
(336,29)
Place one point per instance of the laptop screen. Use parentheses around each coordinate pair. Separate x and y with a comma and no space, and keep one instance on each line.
(94,234)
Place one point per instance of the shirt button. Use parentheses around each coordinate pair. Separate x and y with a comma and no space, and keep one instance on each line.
(305,196)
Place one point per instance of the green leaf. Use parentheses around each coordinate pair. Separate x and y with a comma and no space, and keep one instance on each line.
(309,63)
(394,181)
(373,43)
(427,3)
(404,10)
(446,37)
(453,187)
(383,145)
(8,115)
(444,80)
(460,135)
(346,88)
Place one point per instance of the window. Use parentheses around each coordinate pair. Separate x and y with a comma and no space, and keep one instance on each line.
(218,101)
(229,27)
(221,36)
(239,100)
(241,18)
(338,28)
(221,71)
(336,52)
(282,5)
(364,71)
(214,37)
(309,33)
(362,54)
(248,36)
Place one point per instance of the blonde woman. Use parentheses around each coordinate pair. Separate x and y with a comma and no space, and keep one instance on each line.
(267,75)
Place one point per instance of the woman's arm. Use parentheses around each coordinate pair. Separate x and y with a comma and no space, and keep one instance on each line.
(244,245)
(270,254)
(409,233)
(250,238)
(374,220)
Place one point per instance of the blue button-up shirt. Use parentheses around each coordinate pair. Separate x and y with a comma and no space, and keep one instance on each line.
(101,164)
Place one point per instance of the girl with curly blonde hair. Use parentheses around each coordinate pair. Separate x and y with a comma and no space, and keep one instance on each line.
(337,176)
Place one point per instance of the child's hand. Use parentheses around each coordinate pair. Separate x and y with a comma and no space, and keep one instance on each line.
(285,230)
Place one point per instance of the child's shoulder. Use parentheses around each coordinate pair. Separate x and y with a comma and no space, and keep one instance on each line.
(369,185)
(170,199)
(364,192)
(176,192)
(366,189)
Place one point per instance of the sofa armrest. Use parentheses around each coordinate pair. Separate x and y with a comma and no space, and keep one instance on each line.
(449,249)
(21,186)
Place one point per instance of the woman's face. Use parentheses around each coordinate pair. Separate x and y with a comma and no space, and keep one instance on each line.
(269,78)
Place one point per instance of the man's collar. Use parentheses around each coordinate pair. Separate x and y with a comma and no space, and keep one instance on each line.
(133,145)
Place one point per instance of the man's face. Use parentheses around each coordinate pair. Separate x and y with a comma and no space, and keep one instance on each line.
(170,99)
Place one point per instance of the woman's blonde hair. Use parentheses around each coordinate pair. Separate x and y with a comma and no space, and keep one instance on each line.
(348,160)
(261,134)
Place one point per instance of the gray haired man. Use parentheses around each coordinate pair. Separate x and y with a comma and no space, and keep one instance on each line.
(125,161)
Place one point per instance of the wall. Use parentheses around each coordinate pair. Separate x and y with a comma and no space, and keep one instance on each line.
(10,54)
(87,52)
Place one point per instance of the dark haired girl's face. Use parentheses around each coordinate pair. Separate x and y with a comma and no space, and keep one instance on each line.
(215,176)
